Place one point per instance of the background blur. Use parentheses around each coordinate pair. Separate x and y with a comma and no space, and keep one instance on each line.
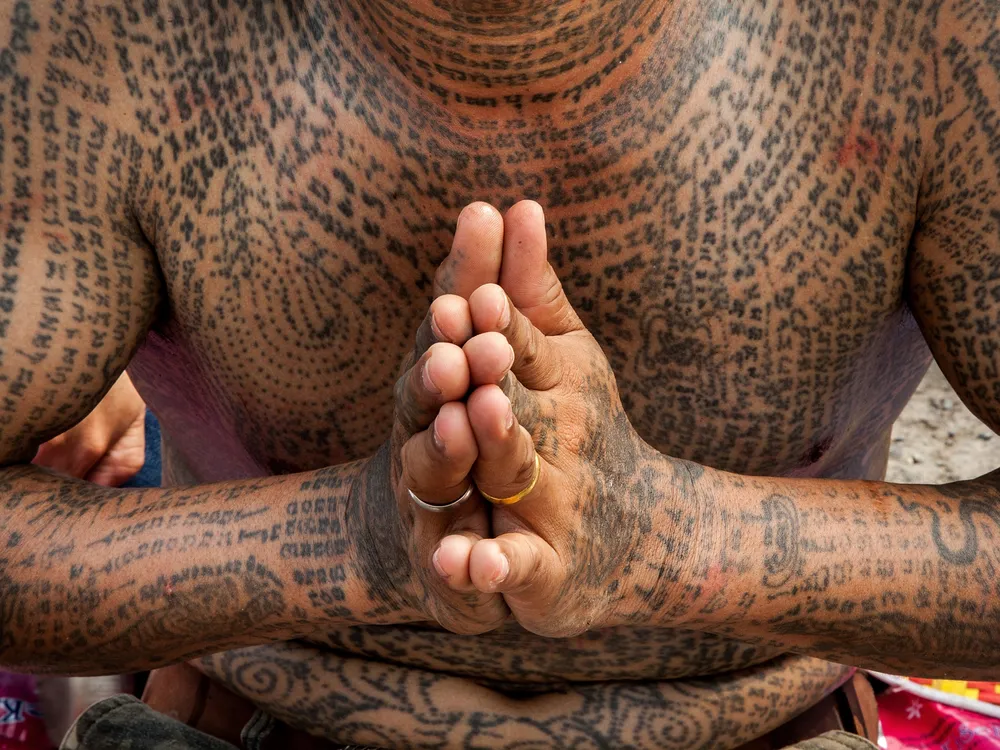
(937,440)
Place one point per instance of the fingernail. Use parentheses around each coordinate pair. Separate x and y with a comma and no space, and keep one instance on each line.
(510,360)
(505,313)
(509,421)
(436,329)
(436,561)
(425,376)
(501,576)
(436,437)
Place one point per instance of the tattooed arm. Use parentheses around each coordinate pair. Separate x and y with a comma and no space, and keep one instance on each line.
(101,580)
(901,578)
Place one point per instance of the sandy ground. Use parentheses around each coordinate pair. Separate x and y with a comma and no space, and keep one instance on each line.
(936,439)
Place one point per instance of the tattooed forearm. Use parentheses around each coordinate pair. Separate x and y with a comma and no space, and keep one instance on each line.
(96,580)
(899,578)
(731,189)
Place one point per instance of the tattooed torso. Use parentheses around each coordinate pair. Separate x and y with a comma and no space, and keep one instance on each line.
(730,194)
(730,187)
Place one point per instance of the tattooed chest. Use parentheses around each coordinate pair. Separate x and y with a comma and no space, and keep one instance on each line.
(731,223)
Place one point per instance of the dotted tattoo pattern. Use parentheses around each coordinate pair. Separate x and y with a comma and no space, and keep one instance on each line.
(757,208)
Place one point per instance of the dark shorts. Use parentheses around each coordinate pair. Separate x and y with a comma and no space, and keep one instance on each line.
(123,722)
(184,709)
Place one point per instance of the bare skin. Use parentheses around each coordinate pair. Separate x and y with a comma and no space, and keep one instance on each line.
(767,217)
(109,446)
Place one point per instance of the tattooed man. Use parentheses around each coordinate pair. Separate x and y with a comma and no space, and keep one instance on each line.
(767,217)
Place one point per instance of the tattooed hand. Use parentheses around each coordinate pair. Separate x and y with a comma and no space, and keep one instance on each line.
(560,554)
(432,450)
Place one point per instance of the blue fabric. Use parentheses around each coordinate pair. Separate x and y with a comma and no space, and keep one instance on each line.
(150,473)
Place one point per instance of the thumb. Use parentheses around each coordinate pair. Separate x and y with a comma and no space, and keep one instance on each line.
(528,277)
(519,562)
(475,254)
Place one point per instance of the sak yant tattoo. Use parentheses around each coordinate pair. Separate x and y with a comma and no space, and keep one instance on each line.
(770,215)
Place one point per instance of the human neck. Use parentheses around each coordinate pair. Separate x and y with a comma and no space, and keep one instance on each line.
(494,52)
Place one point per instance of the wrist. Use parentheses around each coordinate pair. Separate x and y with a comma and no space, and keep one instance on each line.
(328,529)
(380,566)
(667,579)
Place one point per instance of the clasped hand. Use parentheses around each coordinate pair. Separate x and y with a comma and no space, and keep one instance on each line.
(508,392)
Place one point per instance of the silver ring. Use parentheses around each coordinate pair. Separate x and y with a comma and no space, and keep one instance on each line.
(441,508)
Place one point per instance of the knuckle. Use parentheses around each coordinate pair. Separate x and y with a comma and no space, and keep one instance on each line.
(407,361)
(526,472)
(91,448)
(432,477)
(462,617)
(405,458)
(444,276)
(53,447)
(553,288)
(423,339)
(567,630)
(523,403)
(464,627)
(551,627)
(407,423)
(407,405)
(400,389)
(530,351)
(461,613)
(408,418)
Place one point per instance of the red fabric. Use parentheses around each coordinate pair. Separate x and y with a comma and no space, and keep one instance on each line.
(910,722)
(21,724)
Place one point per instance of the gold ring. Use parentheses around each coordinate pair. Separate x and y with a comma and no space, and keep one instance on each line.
(520,495)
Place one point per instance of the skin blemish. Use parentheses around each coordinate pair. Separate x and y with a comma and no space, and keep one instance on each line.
(862,147)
